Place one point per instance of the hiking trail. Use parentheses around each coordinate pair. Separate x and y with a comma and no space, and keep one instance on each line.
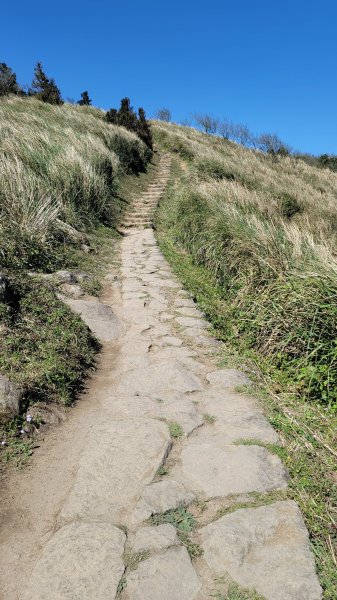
(159,428)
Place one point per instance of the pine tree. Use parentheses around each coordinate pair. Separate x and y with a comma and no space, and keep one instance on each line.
(8,83)
(126,116)
(43,88)
(144,129)
(85,100)
(111,116)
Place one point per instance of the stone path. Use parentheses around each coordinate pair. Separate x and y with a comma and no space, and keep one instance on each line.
(170,432)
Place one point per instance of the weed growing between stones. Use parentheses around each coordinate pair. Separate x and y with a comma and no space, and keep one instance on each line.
(179,517)
(226,590)
(184,522)
(121,585)
(176,431)
(209,419)
(132,559)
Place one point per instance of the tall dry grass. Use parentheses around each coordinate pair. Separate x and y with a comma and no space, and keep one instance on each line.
(267,229)
(59,164)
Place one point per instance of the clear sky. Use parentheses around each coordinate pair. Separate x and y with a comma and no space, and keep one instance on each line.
(269,63)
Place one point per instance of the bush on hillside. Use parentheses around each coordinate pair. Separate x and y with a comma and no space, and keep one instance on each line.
(126,117)
(8,82)
(163,114)
(85,99)
(43,88)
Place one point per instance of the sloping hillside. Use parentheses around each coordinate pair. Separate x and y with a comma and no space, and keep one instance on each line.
(253,239)
(59,166)
(266,228)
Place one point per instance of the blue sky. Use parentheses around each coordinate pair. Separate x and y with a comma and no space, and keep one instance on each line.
(268,63)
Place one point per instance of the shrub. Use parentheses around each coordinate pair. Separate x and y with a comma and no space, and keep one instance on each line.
(43,88)
(290,206)
(163,114)
(8,83)
(85,100)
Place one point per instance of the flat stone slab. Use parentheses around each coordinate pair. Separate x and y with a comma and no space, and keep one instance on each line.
(121,457)
(170,376)
(155,538)
(228,378)
(222,470)
(167,576)
(161,496)
(190,311)
(237,417)
(265,548)
(81,561)
(192,322)
(98,316)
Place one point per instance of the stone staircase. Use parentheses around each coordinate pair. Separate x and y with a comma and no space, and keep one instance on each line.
(141,210)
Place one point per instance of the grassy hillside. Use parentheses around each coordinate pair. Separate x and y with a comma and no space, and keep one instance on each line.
(253,239)
(266,228)
(62,169)
(58,165)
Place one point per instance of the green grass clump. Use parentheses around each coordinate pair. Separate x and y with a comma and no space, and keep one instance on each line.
(233,592)
(176,431)
(179,517)
(46,349)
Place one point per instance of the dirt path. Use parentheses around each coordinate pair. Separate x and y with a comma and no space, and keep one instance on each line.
(159,428)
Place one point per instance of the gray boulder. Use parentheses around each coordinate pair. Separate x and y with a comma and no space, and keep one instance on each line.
(10,396)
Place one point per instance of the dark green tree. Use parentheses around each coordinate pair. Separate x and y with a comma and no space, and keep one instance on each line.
(126,116)
(8,83)
(43,88)
(111,116)
(85,100)
(144,129)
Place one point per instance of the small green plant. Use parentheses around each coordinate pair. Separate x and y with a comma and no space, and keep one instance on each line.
(132,559)
(178,517)
(192,548)
(121,585)
(233,591)
(290,206)
(209,418)
(176,431)
(162,471)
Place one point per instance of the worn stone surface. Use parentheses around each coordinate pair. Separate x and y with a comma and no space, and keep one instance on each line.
(10,396)
(98,316)
(82,561)
(73,290)
(215,469)
(170,376)
(155,538)
(237,417)
(192,322)
(167,576)
(228,378)
(159,497)
(120,459)
(65,277)
(265,548)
